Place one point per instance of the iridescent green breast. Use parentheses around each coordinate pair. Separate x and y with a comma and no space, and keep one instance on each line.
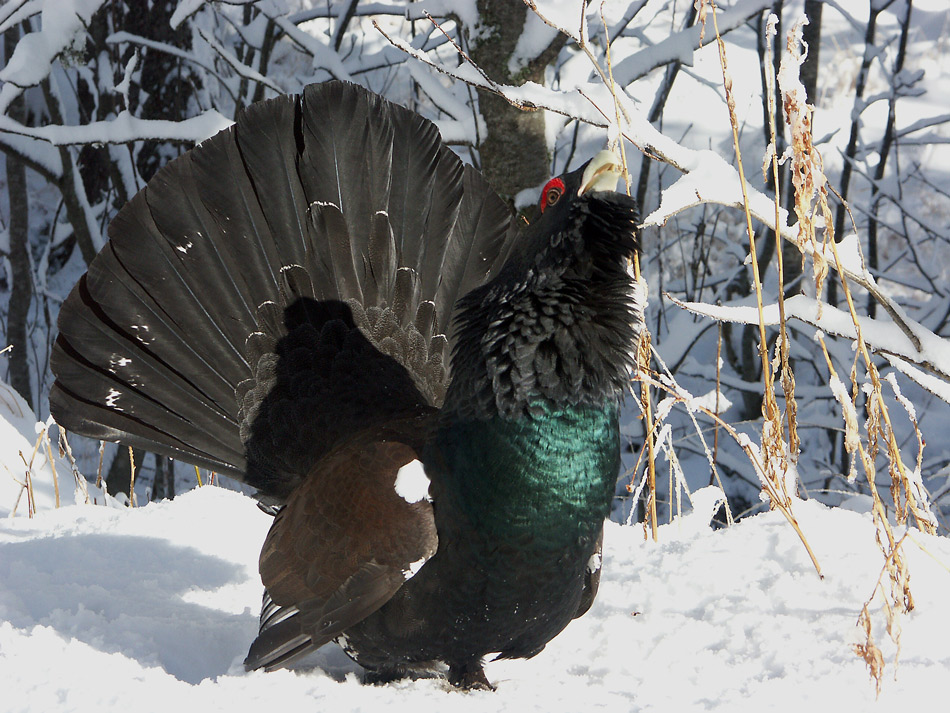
(546,479)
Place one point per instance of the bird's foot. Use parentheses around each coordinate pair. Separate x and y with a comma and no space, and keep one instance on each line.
(382,676)
(470,677)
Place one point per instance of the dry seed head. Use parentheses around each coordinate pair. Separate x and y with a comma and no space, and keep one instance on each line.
(869,651)
(852,436)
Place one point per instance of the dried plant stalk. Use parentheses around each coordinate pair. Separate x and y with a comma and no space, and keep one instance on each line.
(102,449)
(753,453)
(788,376)
(644,347)
(131,478)
(67,451)
(779,473)
(869,651)
(811,199)
(643,367)
(899,598)
(52,465)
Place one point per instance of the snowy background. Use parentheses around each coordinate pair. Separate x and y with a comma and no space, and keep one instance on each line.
(105,607)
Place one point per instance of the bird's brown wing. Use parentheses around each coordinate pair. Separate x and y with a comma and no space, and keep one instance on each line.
(343,544)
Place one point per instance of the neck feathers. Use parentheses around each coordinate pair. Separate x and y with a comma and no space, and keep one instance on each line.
(558,327)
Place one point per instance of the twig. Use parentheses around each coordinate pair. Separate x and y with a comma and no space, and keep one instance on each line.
(131,478)
(52,465)
(754,457)
(788,377)
(102,447)
(778,456)
(64,447)
(343,23)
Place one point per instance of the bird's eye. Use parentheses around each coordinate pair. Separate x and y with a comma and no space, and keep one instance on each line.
(552,193)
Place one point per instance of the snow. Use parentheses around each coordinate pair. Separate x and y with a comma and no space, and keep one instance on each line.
(709,179)
(124,128)
(534,39)
(184,9)
(681,46)
(852,438)
(123,86)
(414,567)
(63,23)
(21,449)
(100,606)
(880,335)
(465,10)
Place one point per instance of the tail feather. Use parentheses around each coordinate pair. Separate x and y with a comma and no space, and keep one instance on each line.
(346,154)
(382,261)
(133,341)
(442,198)
(183,226)
(405,295)
(286,283)
(109,410)
(237,216)
(333,232)
(267,137)
(466,263)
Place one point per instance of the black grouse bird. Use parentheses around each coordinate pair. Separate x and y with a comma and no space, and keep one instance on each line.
(279,304)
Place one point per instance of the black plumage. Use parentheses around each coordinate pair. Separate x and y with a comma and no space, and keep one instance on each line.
(280,304)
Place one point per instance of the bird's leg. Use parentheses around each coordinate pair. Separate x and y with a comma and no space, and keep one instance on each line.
(382,676)
(470,676)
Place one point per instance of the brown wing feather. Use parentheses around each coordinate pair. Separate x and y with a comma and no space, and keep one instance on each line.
(339,550)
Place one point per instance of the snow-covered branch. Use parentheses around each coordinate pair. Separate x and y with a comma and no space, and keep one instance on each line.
(124,128)
(882,337)
(681,46)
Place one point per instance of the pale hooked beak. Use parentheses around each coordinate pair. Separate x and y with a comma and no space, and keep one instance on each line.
(601,173)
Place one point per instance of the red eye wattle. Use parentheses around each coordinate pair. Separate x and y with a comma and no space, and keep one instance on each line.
(553,190)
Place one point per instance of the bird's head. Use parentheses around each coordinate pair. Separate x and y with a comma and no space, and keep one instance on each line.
(601,173)
(558,325)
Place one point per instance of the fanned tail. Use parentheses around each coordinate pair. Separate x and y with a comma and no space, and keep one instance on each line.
(285,284)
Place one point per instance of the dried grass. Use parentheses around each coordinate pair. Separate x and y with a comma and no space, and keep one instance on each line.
(774,460)
(811,207)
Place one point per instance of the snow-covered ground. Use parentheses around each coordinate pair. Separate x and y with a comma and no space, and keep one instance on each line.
(105,608)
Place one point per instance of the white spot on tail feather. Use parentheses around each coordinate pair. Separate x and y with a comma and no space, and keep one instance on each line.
(184,248)
(594,563)
(412,484)
(414,567)
(112,397)
(117,361)
(141,333)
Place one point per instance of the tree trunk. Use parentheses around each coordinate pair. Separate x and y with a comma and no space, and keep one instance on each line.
(119,479)
(886,143)
(514,154)
(163,488)
(21,288)
(844,184)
